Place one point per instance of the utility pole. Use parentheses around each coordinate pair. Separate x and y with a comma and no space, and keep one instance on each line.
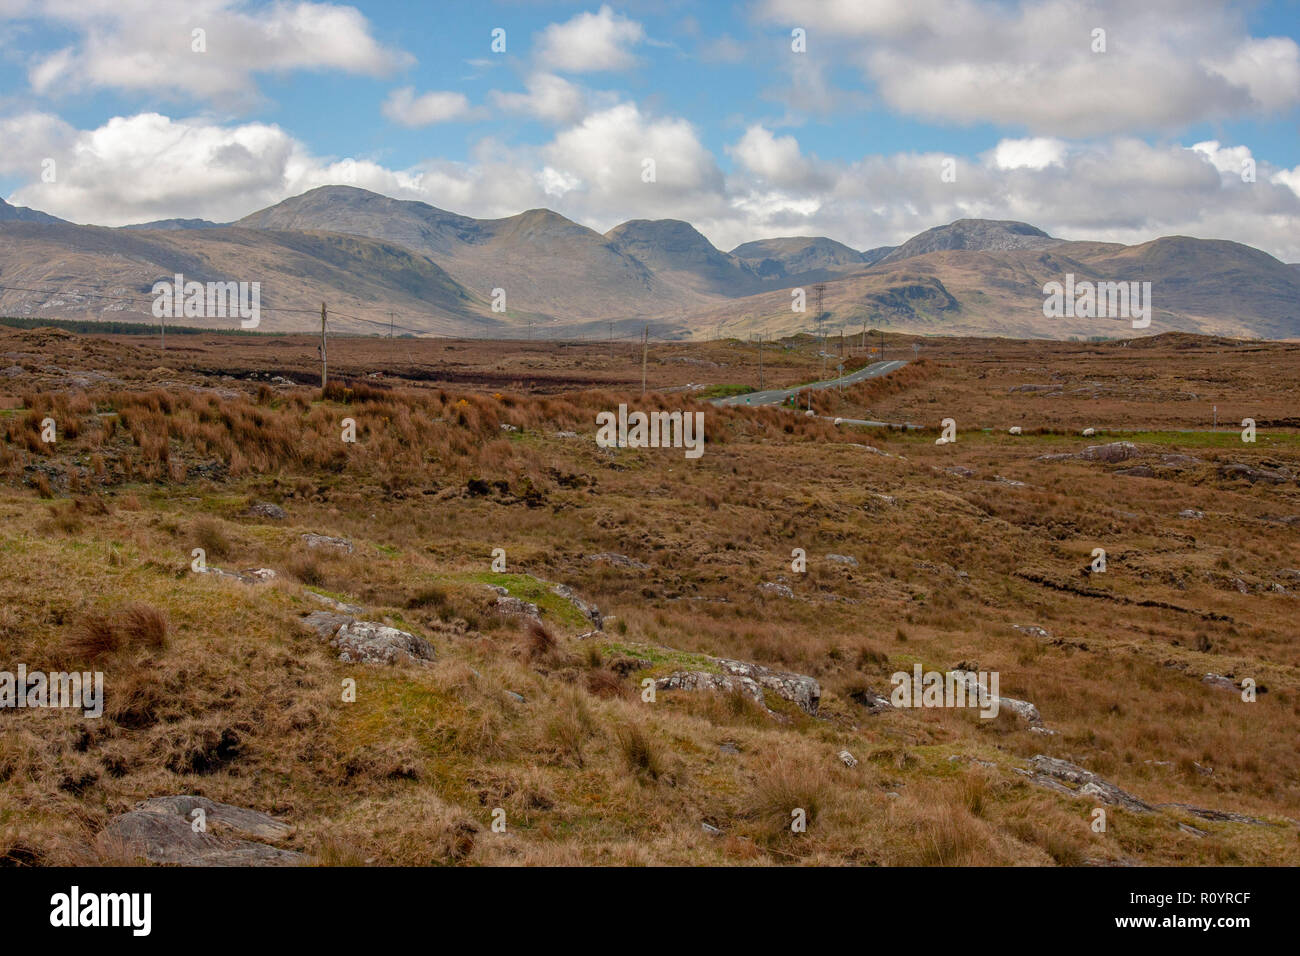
(645,353)
(324,361)
(882,345)
(760,361)
(162,332)
(864,335)
(390,325)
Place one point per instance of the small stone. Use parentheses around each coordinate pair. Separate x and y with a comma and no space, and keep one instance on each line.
(265,509)
(847,758)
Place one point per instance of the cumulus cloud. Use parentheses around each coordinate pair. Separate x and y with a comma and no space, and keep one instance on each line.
(548,97)
(1035,153)
(144,46)
(1035,66)
(404,107)
(590,42)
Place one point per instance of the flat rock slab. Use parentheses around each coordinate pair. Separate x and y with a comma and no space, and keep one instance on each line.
(1056,774)
(161,831)
(251,823)
(313,540)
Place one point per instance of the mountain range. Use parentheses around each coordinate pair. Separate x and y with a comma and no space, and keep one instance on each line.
(377,260)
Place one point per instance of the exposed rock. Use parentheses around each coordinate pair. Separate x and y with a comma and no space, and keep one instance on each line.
(325,623)
(704,680)
(248,823)
(619,560)
(1021,708)
(1191,513)
(313,540)
(1114,451)
(1089,432)
(780,590)
(514,606)
(1274,476)
(335,605)
(1035,388)
(1034,631)
(843,559)
(1050,770)
(249,576)
(1137,471)
(368,642)
(710,829)
(800,689)
(589,611)
(847,759)
(1179,461)
(960,471)
(1219,681)
(161,831)
(265,509)
(1217,816)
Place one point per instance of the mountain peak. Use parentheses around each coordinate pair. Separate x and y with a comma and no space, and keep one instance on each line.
(975,235)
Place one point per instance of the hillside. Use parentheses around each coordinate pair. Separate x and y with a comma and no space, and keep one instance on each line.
(297,270)
(545,262)
(1211,287)
(10,213)
(678,253)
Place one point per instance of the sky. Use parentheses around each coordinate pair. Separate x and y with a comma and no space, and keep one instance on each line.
(867,121)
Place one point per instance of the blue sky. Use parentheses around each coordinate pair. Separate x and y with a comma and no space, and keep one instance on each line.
(1150,135)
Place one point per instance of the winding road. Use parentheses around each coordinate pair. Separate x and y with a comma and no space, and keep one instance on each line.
(776,396)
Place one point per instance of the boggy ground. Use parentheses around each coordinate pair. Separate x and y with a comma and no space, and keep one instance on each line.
(955,546)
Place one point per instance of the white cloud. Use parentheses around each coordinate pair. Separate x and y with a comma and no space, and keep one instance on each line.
(777,160)
(1033,65)
(1035,153)
(144,46)
(404,107)
(549,98)
(590,42)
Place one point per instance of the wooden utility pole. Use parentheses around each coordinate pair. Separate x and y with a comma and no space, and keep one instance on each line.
(162,332)
(324,361)
(760,361)
(645,353)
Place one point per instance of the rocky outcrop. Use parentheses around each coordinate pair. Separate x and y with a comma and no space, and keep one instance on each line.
(313,540)
(1021,708)
(1065,777)
(368,642)
(265,509)
(718,683)
(750,679)
(165,830)
(1111,452)
(589,611)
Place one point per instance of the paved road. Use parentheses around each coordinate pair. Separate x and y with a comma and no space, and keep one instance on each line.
(776,396)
